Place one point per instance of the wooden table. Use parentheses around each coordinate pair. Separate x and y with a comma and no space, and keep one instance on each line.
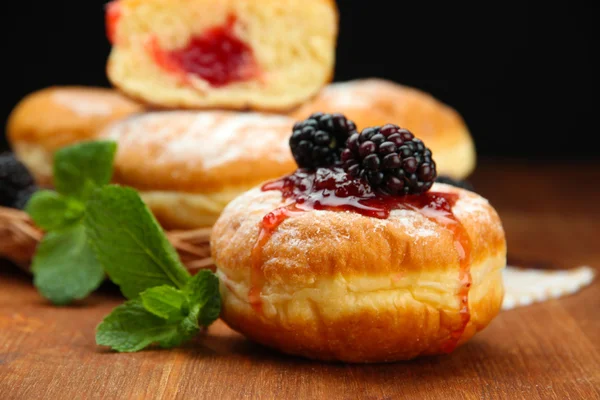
(545,351)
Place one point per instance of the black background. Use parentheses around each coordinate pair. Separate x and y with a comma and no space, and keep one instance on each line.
(520,72)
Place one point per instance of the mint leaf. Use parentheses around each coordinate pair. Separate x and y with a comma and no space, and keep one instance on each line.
(188,329)
(202,292)
(130,244)
(65,267)
(137,256)
(80,168)
(50,210)
(165,302)
(162,315)
(130,327)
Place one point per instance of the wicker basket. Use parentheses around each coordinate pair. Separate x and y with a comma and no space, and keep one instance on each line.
(19,238)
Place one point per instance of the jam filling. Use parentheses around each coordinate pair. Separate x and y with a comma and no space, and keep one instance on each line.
(113,15)
(217,56)
(332,189)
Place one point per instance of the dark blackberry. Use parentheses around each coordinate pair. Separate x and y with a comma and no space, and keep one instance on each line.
(318,141)
(23,197)
(455,182)
(391,159)
(16,183)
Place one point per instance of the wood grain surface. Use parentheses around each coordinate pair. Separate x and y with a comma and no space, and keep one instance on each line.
(545,351)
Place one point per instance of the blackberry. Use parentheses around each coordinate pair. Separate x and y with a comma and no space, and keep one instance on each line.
(16,183)
(455,182)
(318,141)
(23,197)
(391,159)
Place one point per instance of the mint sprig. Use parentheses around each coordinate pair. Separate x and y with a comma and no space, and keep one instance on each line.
(52,211)
(130,244)
(64,266)
(81,168)
(165,302)
(130,327)
(166,306)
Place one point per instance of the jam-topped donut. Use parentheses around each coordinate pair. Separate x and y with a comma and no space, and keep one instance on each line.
(265,55)
(360,260)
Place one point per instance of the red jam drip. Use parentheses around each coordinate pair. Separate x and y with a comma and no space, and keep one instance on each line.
(332,189)
(113,15)
(217,56)
(269,225)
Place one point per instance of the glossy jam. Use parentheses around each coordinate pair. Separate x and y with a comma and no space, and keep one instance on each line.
(113,15)
(269,225)
(217,56)
(333,190)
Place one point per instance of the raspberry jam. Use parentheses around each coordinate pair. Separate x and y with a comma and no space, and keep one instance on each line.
(217,56)
(332,189)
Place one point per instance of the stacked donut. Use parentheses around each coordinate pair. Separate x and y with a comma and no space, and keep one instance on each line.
(254,59)
(207,95)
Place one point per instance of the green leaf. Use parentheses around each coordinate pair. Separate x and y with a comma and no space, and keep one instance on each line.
(78,169)
(159,316)
(130,327)
(165,302)
(50,210)
(202,292)
(64,266)
(130,244)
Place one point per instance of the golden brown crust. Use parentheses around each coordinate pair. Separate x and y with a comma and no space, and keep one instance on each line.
(178,210)
(375,102)
(342,286)
(302,248)
(56,117)
(200,152)
(380,334)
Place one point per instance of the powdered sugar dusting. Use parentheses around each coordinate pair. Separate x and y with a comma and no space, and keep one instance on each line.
(293,238)
(527,286)
(469,205)
(354,94)
(241,135)
(208,139)
(414,224)
(346,95)
(335,226)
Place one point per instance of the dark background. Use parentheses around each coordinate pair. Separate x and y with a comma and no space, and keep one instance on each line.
(519,72)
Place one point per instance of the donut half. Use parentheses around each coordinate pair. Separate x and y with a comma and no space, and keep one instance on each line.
(237,54)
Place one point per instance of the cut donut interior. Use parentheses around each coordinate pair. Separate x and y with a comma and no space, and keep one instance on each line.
(267,55)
